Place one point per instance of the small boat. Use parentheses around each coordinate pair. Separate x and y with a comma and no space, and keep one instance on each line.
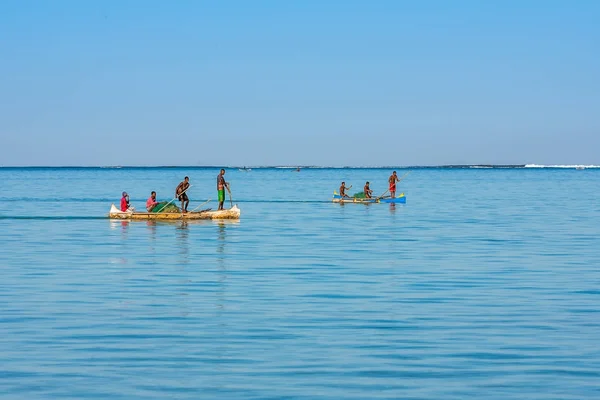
(338,199)
(580,167)
(245,169)
(231,213)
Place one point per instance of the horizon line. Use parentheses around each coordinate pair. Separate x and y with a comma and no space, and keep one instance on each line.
(530,165)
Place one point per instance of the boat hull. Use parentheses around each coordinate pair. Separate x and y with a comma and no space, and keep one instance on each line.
(400,199)
(231,213)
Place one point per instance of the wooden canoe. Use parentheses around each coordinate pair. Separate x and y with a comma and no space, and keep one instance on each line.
(231,213)
(338,199)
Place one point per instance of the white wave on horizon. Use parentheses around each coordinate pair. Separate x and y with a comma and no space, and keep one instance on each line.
(573,166)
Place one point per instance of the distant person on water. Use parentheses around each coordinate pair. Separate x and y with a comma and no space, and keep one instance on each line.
(221,185)
(392,181)
(151,202)
(125,202)
(368,192)
(181,194)
(343,190)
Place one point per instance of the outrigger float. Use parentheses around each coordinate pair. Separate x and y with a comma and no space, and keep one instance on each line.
(362,200)
(231,213)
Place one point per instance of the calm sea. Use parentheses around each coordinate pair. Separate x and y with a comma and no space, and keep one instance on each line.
(485,285)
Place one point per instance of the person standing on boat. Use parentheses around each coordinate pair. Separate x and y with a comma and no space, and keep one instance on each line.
(221,185)
(180,193)
(392,181)
(151,202)
(368,192)
(343,190)
(125,202)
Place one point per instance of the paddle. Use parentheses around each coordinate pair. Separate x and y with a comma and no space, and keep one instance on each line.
(230,199)
(403,176)
(165,206)
(200,205)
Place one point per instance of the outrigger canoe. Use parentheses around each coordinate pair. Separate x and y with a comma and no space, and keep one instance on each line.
(338,199)
(231,213)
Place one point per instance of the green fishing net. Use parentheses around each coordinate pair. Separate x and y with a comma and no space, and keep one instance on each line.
(163,207)
(360,195)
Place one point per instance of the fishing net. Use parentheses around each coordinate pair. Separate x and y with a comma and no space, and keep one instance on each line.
(360,195)
(163,207)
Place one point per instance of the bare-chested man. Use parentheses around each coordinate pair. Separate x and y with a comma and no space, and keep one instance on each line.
(392,181)
(343,190)
(367,190)
(181,194)
(221,185)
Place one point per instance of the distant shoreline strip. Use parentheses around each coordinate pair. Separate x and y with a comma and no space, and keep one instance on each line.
(211,167)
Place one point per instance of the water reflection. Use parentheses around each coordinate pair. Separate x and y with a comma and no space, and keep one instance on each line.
(392,208)
(182,237)
(182,230)
(151,224)
(123,224)
(221,239)
(124,230)
(221,292)
(221,264)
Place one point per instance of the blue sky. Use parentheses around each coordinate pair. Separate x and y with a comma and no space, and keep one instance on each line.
(299,83)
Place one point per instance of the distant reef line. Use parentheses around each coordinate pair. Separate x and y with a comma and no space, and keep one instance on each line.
(295,167)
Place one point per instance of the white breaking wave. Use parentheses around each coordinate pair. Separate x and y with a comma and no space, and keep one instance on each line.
(561,166)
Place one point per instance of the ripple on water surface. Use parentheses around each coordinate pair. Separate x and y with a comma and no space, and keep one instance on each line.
(489,293)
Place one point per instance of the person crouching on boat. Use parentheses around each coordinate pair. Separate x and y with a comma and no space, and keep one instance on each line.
(125,202)
(343,190)
(368,192)
(180,193)
(221,185)
(151,202)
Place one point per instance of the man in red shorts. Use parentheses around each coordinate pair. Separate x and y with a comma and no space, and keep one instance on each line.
(392,181)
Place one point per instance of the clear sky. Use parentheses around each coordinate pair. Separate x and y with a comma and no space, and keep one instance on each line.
(299,83)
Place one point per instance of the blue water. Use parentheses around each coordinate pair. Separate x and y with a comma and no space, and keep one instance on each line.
(486,284)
